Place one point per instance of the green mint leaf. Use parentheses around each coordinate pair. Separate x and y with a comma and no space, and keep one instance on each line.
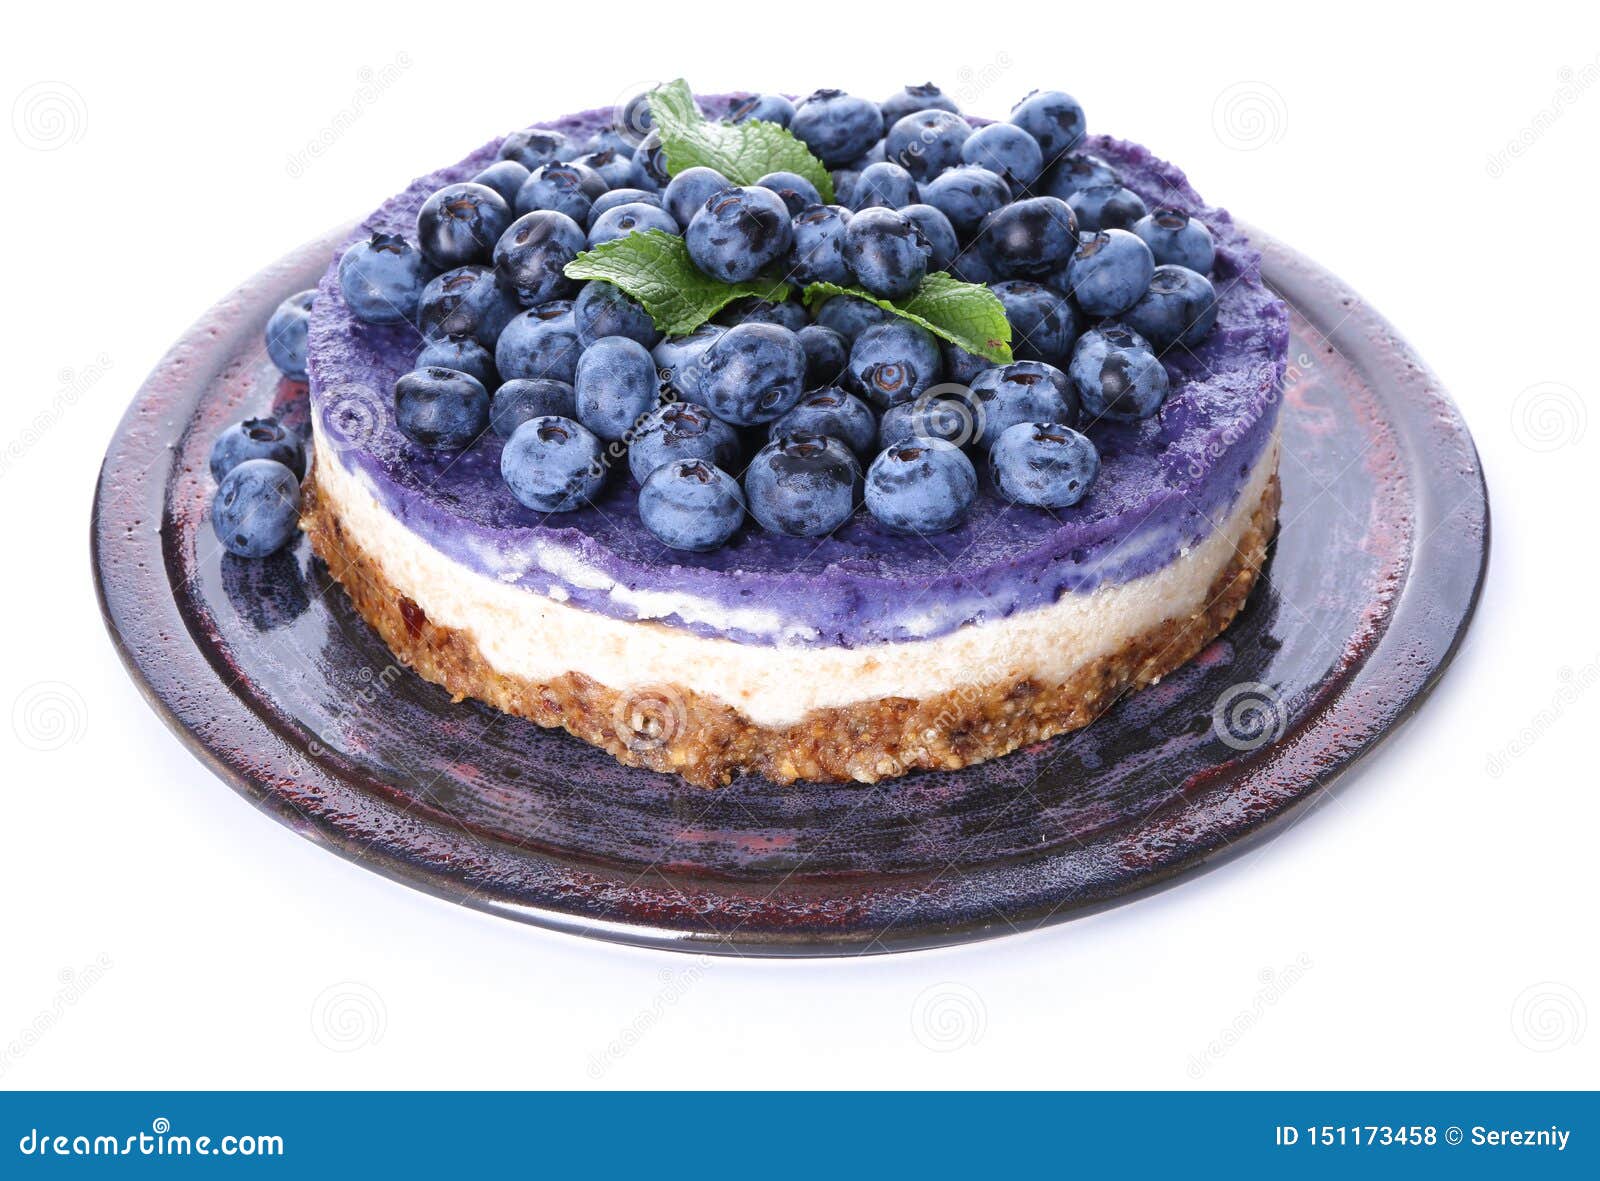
(742,152)
(965,314)
(654,268)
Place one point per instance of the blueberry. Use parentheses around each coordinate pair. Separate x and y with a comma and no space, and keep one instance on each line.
(893,362)
(444,409)
(634,119)
(1116,374)
(885,185)
(617,197)
(961,366)
(927,142)
(286,334)
(603,309)
(461,353)
(911,99)
(921,486)
(797,192)
(1180,306)
(836,126)
(652,159)
(680,360)
(1044,326)
(835,413)
(534,345)
(554,309)
(257,438)
(460,224)
(818,253)
(468,301)
(690,504)
(1044,464)
(552,464)
(753,373)
(844,184)
(939,233)
(534,147)
(827,353)
(751,310)
(768,108)
(738,232)
(1054,119)
(802,484)
(382,278)
(681,430)
(617,169)
(971,266)
(1074,173)
(613,139)
(687,193)
(850,316)
(886,252)
(1030,238)
(623,220)
(876,154)
(1006,150)
(966,195)
(561,188)
(257,508)
(616,385)
(1022,391)
(1106,207)
(505,177)
(1109,272)
(531,257)
(947,412)
(523,398)
(1176,239)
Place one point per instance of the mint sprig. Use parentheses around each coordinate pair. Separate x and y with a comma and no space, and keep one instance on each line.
(968,315)
(742,152)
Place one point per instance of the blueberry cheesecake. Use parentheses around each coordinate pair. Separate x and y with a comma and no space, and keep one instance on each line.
(818,439)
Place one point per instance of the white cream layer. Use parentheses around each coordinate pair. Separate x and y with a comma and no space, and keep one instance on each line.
(528,635)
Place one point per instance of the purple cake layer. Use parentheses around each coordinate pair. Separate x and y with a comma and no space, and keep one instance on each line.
(1163,481)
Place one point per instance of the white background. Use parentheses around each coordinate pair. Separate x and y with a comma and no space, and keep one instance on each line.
(1436,920)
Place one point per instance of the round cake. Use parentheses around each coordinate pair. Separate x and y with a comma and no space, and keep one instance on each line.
(862,654)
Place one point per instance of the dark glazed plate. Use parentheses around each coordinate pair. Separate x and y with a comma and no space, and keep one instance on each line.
(272,679)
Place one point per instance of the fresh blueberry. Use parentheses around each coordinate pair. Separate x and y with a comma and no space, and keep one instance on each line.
(818,253)
(687,193)
(617,197)
(844,185)
(1044,326)
(1006,150)
(690,504)
(461,353)
(460,224)
(680,360)
(1076,172)
(738,231)
(552,464)
(1117,375)
(911,99)
(886,252)
(753,373)
(382,278)
(615,139)
(680,430)
(1054,119)
(1176,239)
(257,508)
(286,334)
(523,398)
(885,185)
(561,188)
(921,486)
(876,154)
(939,233)
(1109,271)
(750,309)
(1030,238)
(803,485)
(652,159)
(505,177)
(925,143)
(534,147)
(603,309)
(893,362)
(617,169)
(835,413)
(1044,464)
(634,120)
(1021,392)
(797,192)
(444,409)
(947,412)
(972,266)
(961,366)
(827,353)
(468,301)
(257,438)
(850,316)
(837,126)
(616,385)
(1106,207)
(1180,306)
(623,220)
(768,108)
(967,195)
(536,345)
(531,257)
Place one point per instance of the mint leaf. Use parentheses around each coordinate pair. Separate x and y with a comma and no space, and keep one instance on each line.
(742,152)
(965,314)
(654,268)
